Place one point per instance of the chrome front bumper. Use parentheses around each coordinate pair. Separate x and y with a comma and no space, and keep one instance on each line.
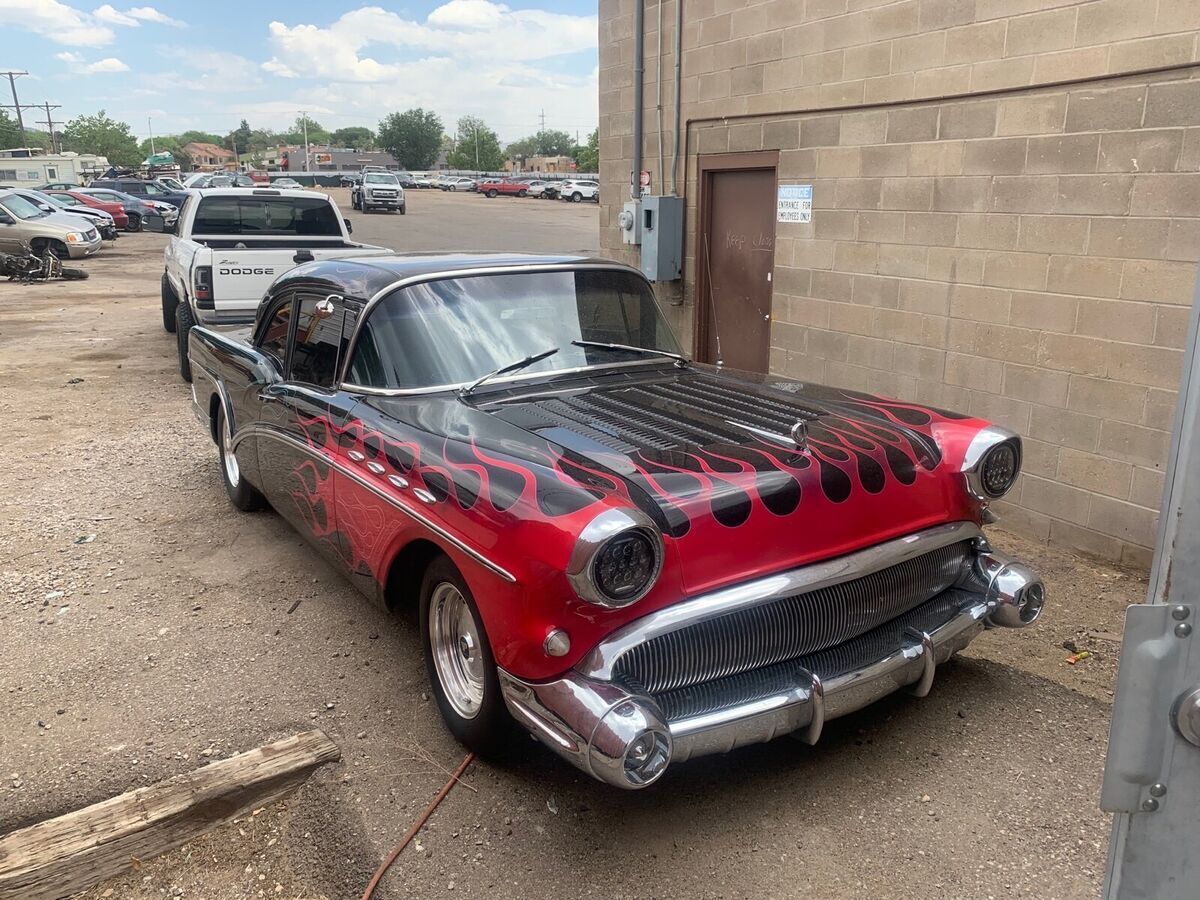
(623,738)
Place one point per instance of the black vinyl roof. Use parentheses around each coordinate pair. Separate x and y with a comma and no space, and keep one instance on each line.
(365,277)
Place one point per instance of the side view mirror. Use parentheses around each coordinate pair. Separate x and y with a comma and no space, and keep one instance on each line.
(349,226)
(154,222)
(45,207)
(5,219)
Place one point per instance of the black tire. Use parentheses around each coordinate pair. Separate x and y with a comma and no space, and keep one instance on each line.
(70,274)
(491,193)
(183,327)
(42,246)
(134,224)
(522,193)
(169,302)
(490,730)
(577,197)
(241,493)
(404,210)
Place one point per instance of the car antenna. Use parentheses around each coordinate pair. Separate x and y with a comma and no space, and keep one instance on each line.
(712,300)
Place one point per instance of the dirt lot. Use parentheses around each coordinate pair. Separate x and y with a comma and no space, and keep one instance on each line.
(167,640)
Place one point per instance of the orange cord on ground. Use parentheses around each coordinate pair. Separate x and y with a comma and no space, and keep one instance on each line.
(417,826)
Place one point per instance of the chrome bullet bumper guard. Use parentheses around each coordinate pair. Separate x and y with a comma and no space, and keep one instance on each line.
(628,739)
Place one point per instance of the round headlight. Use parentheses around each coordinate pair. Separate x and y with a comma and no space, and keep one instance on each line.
(624,567)
(999,469)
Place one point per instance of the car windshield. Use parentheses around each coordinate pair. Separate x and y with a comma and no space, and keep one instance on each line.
(451,331)
(311,217)
(20,207)
(380,178)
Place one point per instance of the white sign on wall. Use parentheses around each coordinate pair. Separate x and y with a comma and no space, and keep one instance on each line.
(795,203)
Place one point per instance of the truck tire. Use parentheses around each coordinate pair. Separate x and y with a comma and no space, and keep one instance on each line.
(466,688)
(169,302)
(66,273)
(242,494)
(183,327)
(404,210)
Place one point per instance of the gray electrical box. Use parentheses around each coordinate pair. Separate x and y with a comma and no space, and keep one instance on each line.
(661,220)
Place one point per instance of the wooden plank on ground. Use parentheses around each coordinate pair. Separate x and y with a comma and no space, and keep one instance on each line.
(62,856)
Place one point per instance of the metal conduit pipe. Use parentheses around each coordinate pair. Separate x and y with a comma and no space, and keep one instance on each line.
(639,78)
(678,97)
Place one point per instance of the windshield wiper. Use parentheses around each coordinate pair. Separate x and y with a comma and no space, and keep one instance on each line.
(511,367)
(680,361)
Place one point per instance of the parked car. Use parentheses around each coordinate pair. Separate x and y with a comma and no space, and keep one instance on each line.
(168,213)
(61,234)
(578,191)
(58,186)
(378,190)
(348,180)
(231,243)
(77,199)
(230,179)
(287,184)
(170,183)
(492,187)
(537,187)
(550,190)
(459,184)
(136,210)
(87,215)
(198,180)
(423,181)
(637,558)
(142,189)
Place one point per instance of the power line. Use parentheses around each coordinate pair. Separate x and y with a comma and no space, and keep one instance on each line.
(50,123)
(17,104)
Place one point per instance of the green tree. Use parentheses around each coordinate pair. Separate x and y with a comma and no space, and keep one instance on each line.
(316,132)
(544,143)
(10,134)
(587,156)
(413,137)
(356,137)
(200,137)
(103,136)
(262,139)
(239,139)
(475,147)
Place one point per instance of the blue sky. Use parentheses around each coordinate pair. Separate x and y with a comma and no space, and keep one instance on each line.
(206,66)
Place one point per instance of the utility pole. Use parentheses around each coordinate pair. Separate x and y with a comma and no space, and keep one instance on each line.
(304,119)
(49,123)
(150,128)
(475,126)
(542,120)
(17,104)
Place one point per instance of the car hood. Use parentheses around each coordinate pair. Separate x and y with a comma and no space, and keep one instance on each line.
(748,475)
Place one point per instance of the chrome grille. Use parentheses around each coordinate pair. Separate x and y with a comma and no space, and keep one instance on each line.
(790,627)
(827,665)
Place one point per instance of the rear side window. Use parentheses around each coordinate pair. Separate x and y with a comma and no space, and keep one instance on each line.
(319,344)
(303,216)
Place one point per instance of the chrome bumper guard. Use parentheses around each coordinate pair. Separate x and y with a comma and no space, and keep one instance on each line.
(625,739)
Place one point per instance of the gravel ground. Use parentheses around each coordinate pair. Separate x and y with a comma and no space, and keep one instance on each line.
(145,628)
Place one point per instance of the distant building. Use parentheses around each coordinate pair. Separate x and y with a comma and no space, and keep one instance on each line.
(209,157)
(31,166)
(540,164)
(332,159)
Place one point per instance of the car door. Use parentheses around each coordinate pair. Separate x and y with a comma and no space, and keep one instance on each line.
(304,416)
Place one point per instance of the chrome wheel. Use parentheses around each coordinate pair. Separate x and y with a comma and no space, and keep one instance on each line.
(228,459)
(456,646)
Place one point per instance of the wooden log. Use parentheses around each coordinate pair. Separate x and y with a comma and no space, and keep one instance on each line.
(62,856)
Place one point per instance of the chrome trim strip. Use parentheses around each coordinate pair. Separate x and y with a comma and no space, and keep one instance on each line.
(601,661)
(358,477)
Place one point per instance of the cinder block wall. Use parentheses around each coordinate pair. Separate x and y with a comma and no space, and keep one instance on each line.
(1024,250)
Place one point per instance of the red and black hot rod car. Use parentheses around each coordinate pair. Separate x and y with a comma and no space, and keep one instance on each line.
(638,558)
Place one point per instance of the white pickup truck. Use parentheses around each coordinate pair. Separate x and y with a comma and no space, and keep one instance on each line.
(229,244)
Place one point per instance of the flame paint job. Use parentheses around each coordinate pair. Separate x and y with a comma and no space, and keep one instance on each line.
(519,472)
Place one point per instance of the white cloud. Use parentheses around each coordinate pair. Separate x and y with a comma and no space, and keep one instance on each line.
(80,66)
(54,21)
(106,13)
(150,14)
(477,56)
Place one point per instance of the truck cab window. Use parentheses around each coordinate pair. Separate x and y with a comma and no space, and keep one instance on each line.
(318,342)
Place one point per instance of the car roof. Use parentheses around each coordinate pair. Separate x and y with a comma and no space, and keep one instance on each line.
(262,191)
(366,276)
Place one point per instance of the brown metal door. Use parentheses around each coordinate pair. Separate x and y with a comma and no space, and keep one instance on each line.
(737,256)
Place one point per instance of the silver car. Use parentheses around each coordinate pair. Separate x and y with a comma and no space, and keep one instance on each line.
(63,234)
